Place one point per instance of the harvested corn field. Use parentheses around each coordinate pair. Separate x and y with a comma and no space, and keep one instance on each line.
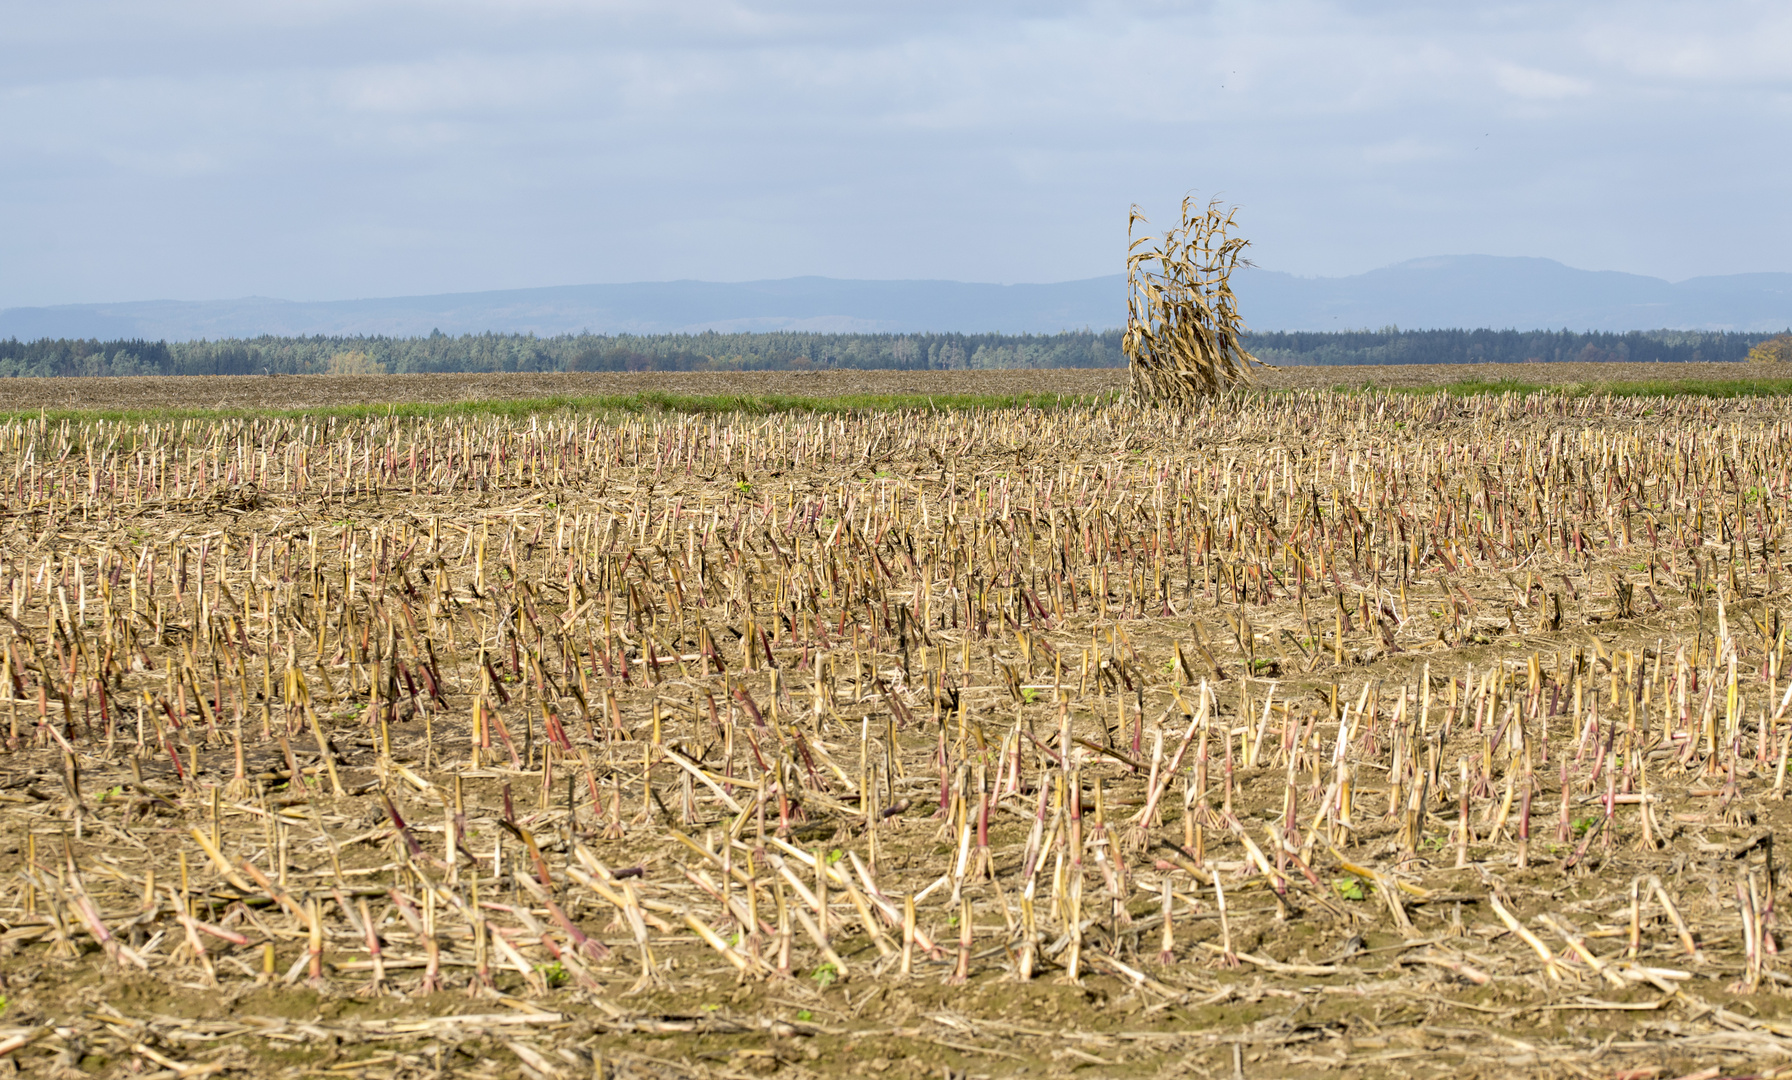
(1404,735)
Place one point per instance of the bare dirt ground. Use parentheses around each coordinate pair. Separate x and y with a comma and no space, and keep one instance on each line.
(1418,376)
(1325,735)
(320,391)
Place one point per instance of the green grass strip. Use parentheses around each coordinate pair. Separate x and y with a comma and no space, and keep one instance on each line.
(774,404)
(1711,388)
(635,404)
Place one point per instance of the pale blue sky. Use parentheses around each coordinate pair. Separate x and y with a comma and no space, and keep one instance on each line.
(370,148)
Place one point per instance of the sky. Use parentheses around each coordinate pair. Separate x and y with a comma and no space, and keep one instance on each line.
(354,148)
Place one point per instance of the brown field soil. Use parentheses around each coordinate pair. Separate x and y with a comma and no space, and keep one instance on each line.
(234,392)
(1446,732)
(240,392)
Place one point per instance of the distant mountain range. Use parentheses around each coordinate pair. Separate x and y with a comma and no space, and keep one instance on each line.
(1467,291)
(660,307)
(1503,293)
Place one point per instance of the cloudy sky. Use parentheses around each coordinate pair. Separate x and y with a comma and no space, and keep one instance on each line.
(314,149)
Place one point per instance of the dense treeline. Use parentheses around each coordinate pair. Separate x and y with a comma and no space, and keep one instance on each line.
(785,351)
(1396,346)
(572,352)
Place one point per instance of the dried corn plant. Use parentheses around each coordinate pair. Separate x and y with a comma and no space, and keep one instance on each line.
(1182,324)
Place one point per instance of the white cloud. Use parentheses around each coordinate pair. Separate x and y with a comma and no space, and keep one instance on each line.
(1538,85)
(1692,44)
(458,83)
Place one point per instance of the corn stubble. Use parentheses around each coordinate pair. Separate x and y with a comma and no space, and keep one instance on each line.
(874,731)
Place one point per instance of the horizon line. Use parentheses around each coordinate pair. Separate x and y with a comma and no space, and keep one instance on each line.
(850,280)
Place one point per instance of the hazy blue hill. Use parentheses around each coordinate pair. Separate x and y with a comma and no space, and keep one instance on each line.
(1513,293)
(807,303)
(1437,292)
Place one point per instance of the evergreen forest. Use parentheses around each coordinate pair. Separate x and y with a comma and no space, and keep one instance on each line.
(712,351)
